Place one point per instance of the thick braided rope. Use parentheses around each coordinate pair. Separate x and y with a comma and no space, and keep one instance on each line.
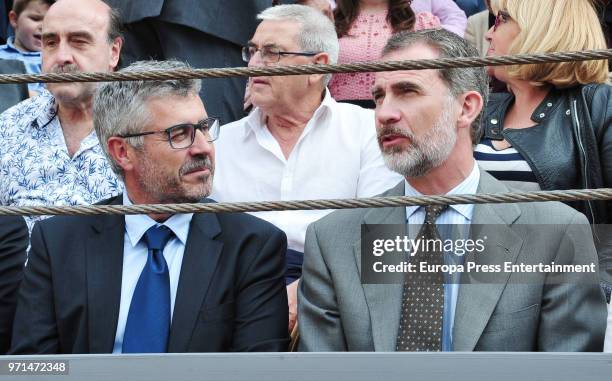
(372,202)
(374,66)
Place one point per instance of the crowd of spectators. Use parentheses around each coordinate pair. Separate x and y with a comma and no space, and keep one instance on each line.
(238,282)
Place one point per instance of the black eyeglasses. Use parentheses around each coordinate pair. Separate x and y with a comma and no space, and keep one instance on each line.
(502,17)
(183,135)
(270,54)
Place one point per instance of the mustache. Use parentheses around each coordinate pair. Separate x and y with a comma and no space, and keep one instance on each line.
(392,130)
(69,68)
(196,164)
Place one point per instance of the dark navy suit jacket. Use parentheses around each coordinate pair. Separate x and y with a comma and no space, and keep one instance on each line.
(231,294)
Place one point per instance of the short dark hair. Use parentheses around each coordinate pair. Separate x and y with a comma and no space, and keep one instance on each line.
(458,80)
(115,25)
(20,5)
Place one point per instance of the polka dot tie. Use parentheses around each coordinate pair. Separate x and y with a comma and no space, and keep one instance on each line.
(420,326)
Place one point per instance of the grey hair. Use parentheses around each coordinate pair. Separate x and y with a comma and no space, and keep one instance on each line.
(317,33)
(458,80)
(120,108)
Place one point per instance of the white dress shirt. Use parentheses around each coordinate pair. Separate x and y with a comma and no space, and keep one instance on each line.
(337,156)
(453,215)
(135,255)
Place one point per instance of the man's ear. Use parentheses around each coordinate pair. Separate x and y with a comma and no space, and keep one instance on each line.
(319,59)
(13,19)
(115,53)
(471,104)
(119,151)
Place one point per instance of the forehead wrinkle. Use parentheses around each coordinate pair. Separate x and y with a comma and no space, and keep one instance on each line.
(75,18)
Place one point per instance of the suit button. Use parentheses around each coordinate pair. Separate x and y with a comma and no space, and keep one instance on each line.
(493,121)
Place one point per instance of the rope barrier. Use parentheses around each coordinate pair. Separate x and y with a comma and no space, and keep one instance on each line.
(373,66)
(372,202)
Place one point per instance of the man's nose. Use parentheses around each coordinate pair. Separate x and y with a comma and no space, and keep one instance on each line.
(256,60)
(201,145)
(64,54)
(386,112)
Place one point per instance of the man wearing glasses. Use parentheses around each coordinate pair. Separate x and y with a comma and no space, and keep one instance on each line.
(298,142)
(159,282)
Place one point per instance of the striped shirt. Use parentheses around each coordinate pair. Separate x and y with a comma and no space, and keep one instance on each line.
(506,165)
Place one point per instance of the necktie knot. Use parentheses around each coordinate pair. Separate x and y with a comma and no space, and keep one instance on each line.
(157,236)
(432,212)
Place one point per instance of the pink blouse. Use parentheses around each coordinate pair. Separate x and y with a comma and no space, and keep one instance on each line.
(364,41)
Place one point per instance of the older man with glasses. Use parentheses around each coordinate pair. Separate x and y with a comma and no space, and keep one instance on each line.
(298,142)
(158,282)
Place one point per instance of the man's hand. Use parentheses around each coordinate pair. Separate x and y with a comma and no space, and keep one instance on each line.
(292,298)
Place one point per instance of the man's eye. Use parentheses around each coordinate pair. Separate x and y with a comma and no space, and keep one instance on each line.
(179,134)
(269,52)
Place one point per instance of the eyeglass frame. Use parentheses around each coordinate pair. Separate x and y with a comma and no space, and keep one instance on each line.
(498,19)
(246,54)
(196,126)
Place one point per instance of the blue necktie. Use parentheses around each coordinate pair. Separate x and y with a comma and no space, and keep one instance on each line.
(148,322)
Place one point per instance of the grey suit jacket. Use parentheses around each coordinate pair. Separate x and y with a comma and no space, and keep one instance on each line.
(230,20)
(339,313)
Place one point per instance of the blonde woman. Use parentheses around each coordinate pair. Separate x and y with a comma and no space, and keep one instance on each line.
(555,120)
(552,130)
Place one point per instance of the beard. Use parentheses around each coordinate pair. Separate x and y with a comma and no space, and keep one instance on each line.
(426,151)
(166,187)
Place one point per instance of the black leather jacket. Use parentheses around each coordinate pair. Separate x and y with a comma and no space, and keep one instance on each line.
(568,121)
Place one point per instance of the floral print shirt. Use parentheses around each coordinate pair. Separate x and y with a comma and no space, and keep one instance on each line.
(35,167)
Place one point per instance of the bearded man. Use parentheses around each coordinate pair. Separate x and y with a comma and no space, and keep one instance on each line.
(427,123)
(154,283)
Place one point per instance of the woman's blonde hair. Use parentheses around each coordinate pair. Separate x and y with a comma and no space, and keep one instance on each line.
(556,26)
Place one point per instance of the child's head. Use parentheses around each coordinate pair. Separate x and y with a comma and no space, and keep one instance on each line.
(26,19)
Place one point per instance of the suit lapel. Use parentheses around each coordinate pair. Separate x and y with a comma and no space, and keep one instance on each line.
(384,300)
(476,302)
(104,256)
(200,259)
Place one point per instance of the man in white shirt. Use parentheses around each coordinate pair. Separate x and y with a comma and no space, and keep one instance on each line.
(298,143)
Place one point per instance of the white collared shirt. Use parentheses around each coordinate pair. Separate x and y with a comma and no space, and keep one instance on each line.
(135,255)
(337,156)
(453,215)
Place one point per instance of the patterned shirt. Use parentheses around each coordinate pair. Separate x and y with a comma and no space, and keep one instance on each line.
(35,168)
(31,61)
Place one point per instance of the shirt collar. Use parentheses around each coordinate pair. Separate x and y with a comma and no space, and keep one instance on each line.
(256,120)
(494,121)
(137,225)
(468,186)
(47,109)
(10,43)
